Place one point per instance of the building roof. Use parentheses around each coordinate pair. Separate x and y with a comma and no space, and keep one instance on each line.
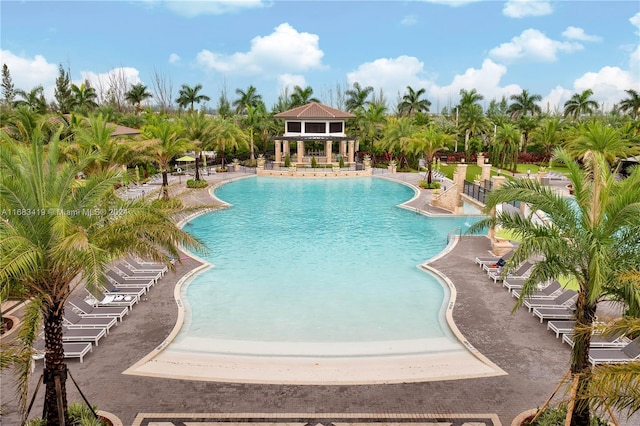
(314,110)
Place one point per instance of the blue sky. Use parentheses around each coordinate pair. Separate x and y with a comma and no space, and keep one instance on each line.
(551,48)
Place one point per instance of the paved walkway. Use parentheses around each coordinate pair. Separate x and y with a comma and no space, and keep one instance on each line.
(533,358)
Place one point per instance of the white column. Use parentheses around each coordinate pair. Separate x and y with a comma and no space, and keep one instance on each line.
(278,151)
(327,151)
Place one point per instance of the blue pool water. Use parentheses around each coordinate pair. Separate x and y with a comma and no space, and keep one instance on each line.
(315,261)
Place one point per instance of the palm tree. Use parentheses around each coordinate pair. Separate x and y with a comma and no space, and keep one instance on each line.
(631,104)
(136,95)
(83,97)
(165,143)
(549,134)
(523,104)
(580,104)
(469,98)
(592,241)
(369,123)
(357,97)
(527,124)
(254,121)
(302,96)
(398,134)
(34,99)
(189,96)
(473,121)
(66,243)
(228,136)
(411,102)
(427,142)
(249,98)
(199,129)
(503,151)
(599,137)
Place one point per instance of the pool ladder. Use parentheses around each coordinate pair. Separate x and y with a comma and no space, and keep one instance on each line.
(453,232)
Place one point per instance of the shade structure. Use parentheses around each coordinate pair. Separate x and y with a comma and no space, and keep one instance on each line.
(186,158)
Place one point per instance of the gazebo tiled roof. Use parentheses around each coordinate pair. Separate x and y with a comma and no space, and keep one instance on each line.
(314,110)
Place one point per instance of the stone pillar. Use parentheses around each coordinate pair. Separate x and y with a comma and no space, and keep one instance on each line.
(541,175)
(300,149)
(480,161)
(486,173)
(328,146)
(278,149)
(351,152)
(343,149)
(459,177)
(496,182)
(287,148)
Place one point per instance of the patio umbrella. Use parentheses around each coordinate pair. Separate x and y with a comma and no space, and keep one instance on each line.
(186,158)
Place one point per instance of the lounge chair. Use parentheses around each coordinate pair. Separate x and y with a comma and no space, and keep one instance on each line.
(109,288)
(513,283)
(71,349)
(630,352)
(89,311)
(548,292)
(523,271)
(124,270)
(98,297)
(554,313)
(83,334)
(561,327)
(566,299)
(73,320)
(600,340)
(141,265)
(127,282)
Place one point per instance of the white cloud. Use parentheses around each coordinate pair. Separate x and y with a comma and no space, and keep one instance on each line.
(191,9)
(608,84)
(392,75)
(522,8)
(409,20)
(576,33)
(284,50)
(555,100)
(635,21)
(532,45)
(121,77)
(290,81)
(27,73)
(173,58)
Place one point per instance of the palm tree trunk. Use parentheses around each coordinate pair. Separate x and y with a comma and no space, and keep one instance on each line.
(165,184)
(198,156)
(580,366)
(253,155)
(55,369)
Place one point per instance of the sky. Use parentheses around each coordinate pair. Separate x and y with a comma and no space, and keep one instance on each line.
(499,48)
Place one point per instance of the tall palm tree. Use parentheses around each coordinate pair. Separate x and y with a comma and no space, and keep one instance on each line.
(199,129)
(592,241)
(412,103)
(33,99)
(631,104)
(228,136)
(164,144)
(369,123)
(580,104)
(524,103)
(469,98)
(473,121)
(187,96)
(253,122)
(549,134)
(83,97)
(398,134)
(136,95)
(250,97)
(357,97)
(302,96)
(503,151)
(427,142)
(596,136)
(66,243)
(527,124)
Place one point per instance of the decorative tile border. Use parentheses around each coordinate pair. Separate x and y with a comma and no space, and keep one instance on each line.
(313,419)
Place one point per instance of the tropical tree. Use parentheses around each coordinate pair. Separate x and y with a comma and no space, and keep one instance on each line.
(580,104)
(83,97)
(503,150)
(412,103)
(398,134)
(228,136)
(250,97)
(631,104)
(357,97)
(469,98)
(523,104)
(199,129)
(8,90)
(549,134)
(164,143)
(33,99)
(369,123)
(593,239)
(302,96)
(427,142)
(527,124)
(473,121)
(62,92)
(187,96)
(75,229)
(136,95)
(254,122)
(596,136)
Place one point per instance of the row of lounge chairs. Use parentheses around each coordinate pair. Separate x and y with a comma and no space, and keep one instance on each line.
(555,304)
(89,316)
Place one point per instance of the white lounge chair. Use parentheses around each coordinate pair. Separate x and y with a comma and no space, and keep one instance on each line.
(561,327)
(83,334)
(554,313)
(600,340)
(566,299)
(71,349)
(523,271)
(548,292)
(89,311)
(630,352)
(73,320)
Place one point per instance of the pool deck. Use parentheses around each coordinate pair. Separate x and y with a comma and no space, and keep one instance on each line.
(532,357)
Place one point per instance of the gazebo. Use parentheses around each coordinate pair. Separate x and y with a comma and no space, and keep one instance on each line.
(319,127)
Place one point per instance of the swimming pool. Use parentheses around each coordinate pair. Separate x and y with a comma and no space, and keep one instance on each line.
(317,267)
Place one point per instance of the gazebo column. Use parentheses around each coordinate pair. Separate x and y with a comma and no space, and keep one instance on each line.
(351,151)
(343,149)
(300,149)
(287,148)
(278,149)
(327,149)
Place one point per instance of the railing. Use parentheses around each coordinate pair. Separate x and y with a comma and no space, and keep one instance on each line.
(453,232)
(474,191)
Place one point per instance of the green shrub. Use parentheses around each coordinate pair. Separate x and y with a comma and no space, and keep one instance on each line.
(287,161)
(172,204)
(314,163)
(79,415)
(432,185)
(341,163)
(556,417)
(191,183)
